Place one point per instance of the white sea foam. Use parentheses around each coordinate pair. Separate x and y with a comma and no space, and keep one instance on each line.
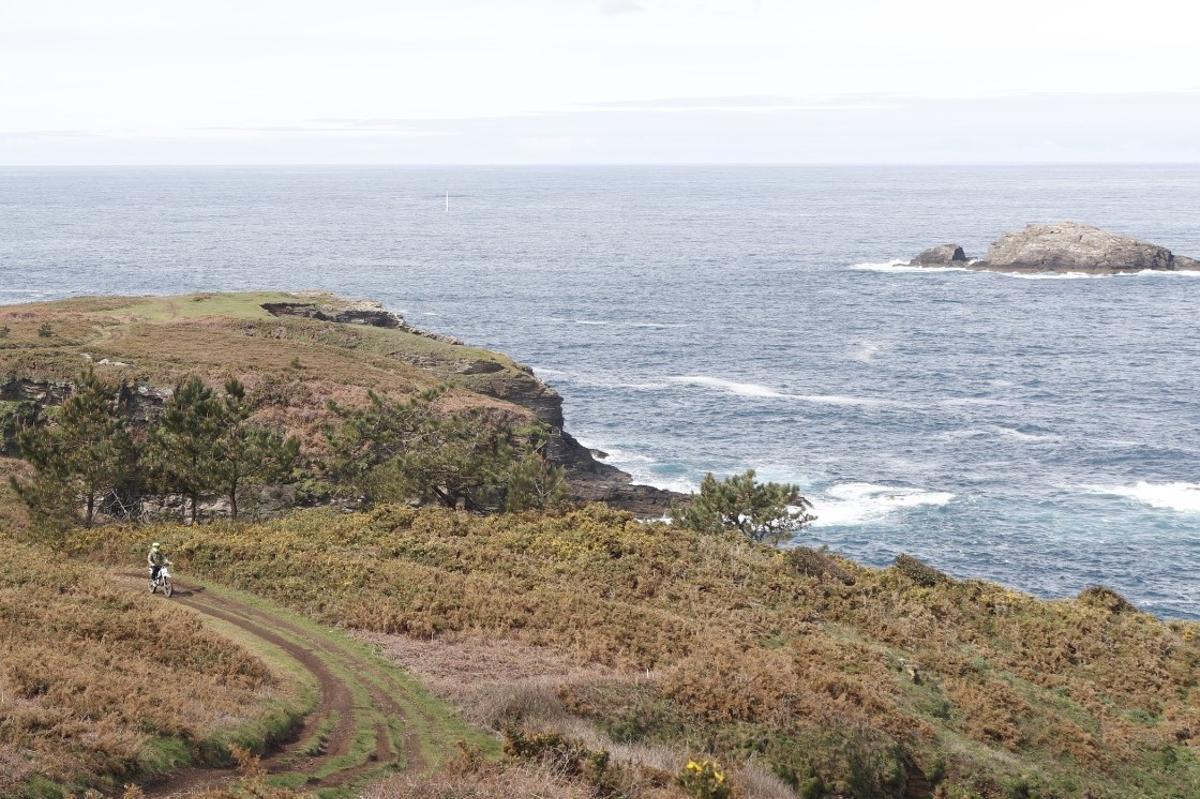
(758,391)
(1092,276)
(1002,432)
(733,387)
(865,351)
(1179,496)
(899,266)
(862,503)
(641,467)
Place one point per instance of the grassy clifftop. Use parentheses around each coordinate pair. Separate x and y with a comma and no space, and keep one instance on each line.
(294,352)
(844,680)
(295,363)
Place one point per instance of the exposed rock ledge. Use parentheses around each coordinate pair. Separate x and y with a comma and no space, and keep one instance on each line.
(349,312)
(1063,247)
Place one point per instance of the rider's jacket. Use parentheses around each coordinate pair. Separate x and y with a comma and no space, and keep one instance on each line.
(156,558)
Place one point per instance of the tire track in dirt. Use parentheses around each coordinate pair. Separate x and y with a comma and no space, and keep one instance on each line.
(357,699)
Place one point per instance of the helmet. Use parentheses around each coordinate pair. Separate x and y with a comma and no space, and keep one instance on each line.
(155,545)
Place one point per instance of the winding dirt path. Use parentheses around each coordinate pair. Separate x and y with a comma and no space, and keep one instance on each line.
(369,719)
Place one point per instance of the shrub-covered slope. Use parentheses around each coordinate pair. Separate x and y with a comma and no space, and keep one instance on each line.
(845,680)
(294,353)
(101,683)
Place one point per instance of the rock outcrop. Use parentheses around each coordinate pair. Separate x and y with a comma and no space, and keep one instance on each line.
(350,312)
(356,312)
(1072,247)
(590,480)
(943,255)
(1064,247)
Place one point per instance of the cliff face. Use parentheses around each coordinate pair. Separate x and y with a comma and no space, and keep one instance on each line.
(297,352)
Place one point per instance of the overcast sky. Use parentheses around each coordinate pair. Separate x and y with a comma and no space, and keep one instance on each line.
(597,81)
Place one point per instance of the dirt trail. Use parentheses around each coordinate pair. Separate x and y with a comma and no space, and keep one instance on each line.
(369,720)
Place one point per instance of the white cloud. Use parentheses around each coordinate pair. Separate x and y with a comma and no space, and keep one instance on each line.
(136,70)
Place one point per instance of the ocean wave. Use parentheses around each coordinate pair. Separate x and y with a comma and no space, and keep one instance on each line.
(731,386)
(644,469)
(1002,432)
(1093,276)
(1178,496)
(758,391)
(898,266)
(863,503)
(902,266)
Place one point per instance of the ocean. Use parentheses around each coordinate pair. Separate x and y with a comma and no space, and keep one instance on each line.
(1042,431)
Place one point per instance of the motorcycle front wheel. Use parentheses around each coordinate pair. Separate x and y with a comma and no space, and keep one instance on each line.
(168,589)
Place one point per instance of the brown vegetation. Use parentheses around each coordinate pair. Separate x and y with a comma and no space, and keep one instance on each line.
(844,681)
(99,684)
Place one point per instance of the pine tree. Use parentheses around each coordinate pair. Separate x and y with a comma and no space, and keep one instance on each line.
(184,448)
(83,455)
(249,454)
(765,512)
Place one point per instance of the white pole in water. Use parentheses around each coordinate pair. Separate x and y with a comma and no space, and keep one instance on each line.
(447,202)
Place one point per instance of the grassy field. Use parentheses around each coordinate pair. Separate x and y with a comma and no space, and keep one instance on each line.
(100,685)
(840,679)
(294,365)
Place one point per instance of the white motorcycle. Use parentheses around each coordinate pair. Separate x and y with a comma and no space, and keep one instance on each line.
(163,580)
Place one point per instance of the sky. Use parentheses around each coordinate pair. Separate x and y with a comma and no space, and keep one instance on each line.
(597,81)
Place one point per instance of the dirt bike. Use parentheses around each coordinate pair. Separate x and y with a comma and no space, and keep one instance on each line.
(163,580)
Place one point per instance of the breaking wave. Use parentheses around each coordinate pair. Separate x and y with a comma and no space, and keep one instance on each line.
(863,503)
(1179,496)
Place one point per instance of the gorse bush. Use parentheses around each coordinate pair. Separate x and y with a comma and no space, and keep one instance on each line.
(810,665)
(704,779)
(767,512)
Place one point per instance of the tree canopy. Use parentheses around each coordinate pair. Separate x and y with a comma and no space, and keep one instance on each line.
(767,512)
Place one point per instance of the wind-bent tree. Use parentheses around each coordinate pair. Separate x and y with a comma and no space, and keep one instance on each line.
(765,512)
(184,447)
(249,454)
(534,483)
(407,451)
(79,457)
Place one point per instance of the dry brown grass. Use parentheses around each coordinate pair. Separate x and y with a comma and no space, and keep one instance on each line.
(751,654)
(505,781)
(100,682)
(294,365)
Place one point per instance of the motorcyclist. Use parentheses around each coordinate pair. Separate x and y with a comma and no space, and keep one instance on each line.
(156,559)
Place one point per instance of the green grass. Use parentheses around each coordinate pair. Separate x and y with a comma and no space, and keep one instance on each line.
(435,726)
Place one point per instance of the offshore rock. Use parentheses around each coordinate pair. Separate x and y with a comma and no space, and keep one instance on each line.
(1072,247)
(943,255)
(1063,247)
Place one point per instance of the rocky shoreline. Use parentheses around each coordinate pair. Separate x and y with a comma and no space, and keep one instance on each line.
(1062,247)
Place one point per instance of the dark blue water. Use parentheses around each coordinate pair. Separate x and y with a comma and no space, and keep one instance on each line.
(1045,433)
